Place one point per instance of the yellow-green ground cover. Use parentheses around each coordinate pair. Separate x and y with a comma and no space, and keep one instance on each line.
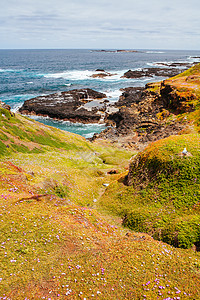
(163,199)
(55,243)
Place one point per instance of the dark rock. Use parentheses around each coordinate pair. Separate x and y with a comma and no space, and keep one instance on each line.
(150,72)
(102,75)
(176,101)
(177,64)
(134,74)
(65,106)
(113,171)
(130,95)
(100,70)
(140,119)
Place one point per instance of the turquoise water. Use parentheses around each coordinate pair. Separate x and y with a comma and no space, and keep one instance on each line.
(25,74)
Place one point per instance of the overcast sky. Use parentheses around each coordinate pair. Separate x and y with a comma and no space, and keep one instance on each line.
(111,24)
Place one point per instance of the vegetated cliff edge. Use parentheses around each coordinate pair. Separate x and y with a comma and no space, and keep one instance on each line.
(165,175)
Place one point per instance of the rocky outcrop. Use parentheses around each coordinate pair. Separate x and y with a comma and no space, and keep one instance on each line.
(5,106)
(102,74)
(185,65)
(143,113)
(71,105)
(150,72)
(140,119)
(179,96)
(131,95)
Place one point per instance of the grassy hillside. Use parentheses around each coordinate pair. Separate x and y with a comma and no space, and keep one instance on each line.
(163,199)
(54,242)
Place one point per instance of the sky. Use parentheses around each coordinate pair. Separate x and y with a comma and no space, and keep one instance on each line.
(100,24)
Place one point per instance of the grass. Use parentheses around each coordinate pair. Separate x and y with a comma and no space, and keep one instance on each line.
(163,199)
(55,243)
(52,249)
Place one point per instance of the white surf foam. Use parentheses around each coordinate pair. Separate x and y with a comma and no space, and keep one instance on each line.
(89,135)
(154,52)
(166,64)
(6,70)
(194,59)
(10,70)
(77,75)
(113,96)
(16,107)
(70,75)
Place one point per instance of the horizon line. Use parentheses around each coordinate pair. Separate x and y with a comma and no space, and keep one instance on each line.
(112,49)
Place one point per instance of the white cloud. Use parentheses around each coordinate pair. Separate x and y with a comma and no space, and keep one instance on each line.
(105,24)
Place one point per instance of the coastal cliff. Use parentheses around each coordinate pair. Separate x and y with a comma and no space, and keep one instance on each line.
(161,109)
(165,176)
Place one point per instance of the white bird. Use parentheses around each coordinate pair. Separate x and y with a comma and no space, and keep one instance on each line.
(184,151)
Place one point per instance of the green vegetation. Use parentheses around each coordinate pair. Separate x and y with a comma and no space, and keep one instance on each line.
(192,71)
(164,198)
(63,200)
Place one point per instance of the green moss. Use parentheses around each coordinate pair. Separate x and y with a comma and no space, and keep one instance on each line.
(3,149)
(52,141)
(4,113)
(3,137)
(179,231)
(61,191)
(17,132)
(164,198)
(192,71)
(174,176)
(37,150)
(19,148)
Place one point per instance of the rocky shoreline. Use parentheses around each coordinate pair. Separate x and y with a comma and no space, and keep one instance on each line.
(140,116)
(151,72)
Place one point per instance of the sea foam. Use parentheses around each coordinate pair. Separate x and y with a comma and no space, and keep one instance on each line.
(77,75)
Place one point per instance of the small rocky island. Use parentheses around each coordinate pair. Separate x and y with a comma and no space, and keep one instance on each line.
(84,105)
(118,51)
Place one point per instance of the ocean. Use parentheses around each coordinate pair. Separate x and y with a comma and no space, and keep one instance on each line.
(25,74)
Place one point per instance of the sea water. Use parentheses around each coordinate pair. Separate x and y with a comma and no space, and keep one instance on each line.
(25,74)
